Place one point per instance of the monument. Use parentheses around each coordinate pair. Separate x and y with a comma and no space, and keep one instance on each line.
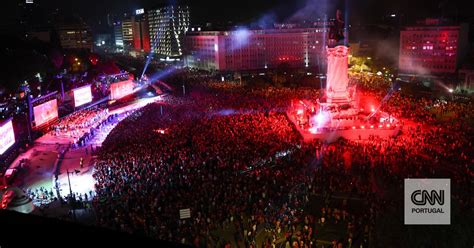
(337,105)
(337,113)
(337,63)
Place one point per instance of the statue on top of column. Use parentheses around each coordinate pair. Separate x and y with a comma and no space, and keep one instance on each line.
(336,32)
(337,63)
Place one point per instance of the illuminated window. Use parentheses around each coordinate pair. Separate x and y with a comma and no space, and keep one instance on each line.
(428,47)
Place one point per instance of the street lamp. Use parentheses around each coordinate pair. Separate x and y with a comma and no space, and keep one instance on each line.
(451,92)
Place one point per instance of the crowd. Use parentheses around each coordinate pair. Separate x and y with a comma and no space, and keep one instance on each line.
(370,82)
(75,124)
(230,155)
(42,196)
(80,125)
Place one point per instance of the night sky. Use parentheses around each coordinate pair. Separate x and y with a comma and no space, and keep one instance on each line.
(245,11)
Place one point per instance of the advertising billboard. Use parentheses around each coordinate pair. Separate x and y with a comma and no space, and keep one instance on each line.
(45,112)
(121,89)
(82,95)
(7,136)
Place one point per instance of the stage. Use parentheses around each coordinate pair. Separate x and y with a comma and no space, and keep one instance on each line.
(360,130)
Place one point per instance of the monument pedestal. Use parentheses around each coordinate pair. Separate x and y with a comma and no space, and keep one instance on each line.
(339,100)
(337,75)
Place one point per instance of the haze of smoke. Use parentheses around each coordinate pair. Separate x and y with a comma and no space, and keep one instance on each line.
(387,50)
(265,21)
(313,9)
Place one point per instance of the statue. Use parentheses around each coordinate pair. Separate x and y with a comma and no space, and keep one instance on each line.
(337,69)
(336,32)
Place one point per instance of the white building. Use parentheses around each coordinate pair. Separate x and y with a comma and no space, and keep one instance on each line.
(167,26)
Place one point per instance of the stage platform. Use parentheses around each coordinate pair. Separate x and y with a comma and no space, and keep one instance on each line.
(351,132)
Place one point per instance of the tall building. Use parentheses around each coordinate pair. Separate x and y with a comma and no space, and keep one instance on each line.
(141,35)
(168,26)
(255,49)
(135,33)
(127,33)
(118,34)
(432,47)
(75,36)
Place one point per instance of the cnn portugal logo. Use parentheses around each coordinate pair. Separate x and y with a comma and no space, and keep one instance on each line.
(422,197)
(427,201)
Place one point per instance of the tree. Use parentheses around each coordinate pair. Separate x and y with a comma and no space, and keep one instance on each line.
(279,77)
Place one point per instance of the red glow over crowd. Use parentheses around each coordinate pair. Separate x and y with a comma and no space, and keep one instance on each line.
(251,181)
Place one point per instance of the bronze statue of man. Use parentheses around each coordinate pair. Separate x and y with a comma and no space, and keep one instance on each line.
(336,32)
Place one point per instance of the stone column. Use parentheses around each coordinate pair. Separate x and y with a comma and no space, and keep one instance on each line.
(337,76)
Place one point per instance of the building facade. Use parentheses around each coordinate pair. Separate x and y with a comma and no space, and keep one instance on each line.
(75,36)
(255,49)
(432,47)
(118,34)
(140,33)
(167,26)
(127,33)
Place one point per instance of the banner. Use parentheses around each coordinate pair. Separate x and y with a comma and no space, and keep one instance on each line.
(7,136)
(121,89)
(82,95)
(45,112)
(185,213)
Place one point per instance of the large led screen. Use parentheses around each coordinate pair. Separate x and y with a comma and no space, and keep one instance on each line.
(7,136)
(121,89)
(45,112)
(82,95)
